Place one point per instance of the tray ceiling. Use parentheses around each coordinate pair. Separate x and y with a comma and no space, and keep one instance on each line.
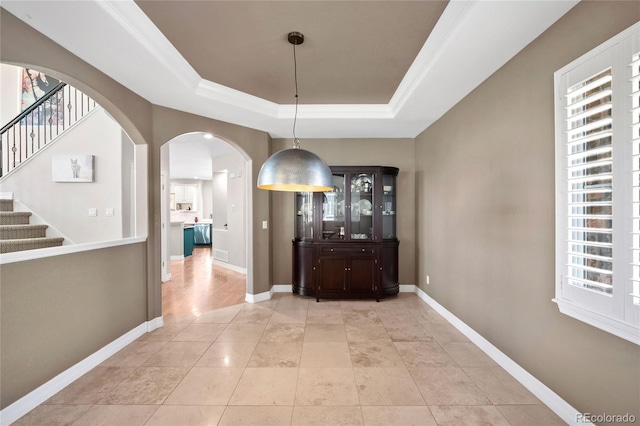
(378,69)
(353,53)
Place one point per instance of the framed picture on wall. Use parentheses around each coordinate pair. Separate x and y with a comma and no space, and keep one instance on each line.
(72,168)
(36,85)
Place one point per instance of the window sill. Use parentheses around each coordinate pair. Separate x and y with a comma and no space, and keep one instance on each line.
(621,329)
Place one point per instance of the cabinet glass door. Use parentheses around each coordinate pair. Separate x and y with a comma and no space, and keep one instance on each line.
(362,202)
(388,206)
(333,210)
(304,215)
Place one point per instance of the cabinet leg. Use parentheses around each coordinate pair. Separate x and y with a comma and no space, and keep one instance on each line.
(317,299)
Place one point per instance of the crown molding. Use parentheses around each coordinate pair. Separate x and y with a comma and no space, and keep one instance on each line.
(139,27)
(429,53)
(466,46)
(228,97)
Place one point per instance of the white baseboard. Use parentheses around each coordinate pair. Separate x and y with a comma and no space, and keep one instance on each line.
(39,395)
(154,324)
(407,288)
(167,277)
(260,297)
(558,405)
(281,288)
(230,267)
(176,257)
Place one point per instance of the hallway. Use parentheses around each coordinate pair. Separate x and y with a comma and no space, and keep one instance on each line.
(198,285)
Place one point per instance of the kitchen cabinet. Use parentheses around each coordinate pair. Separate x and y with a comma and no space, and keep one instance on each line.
(345,243)
(185,197)
(188,241)
(185,193)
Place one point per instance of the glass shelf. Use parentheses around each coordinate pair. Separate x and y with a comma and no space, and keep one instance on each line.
(361,206)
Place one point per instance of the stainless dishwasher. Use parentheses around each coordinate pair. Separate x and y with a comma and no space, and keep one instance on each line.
(202,234)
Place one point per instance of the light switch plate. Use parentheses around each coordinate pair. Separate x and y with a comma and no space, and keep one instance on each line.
(93,212)
(264,224)
(109,212)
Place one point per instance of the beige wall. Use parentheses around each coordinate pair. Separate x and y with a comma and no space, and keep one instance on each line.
(351,152)
(56,311)
(485,206)
(145,124)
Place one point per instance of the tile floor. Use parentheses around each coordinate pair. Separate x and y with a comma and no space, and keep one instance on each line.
(292,361)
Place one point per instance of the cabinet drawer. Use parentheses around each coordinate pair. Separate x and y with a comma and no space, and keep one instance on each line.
(346,250)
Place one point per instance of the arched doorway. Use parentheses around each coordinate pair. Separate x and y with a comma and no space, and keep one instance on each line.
(51,126)
(205,188)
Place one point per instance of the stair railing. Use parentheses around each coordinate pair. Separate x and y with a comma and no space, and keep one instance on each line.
(41,123)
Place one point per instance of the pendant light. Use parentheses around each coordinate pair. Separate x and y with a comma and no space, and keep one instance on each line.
(295,169)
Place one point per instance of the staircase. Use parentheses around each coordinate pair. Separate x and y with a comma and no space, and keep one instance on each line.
(41,123)
(16,234)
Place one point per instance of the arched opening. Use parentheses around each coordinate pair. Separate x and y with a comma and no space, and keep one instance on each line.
(206,228)
(68,161)
(97,288)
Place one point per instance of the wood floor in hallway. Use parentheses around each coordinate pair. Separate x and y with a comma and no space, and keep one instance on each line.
(198,285)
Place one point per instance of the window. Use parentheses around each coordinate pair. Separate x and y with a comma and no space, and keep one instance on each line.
(598,186)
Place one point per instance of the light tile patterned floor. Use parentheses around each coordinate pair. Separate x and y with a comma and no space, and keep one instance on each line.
(292,361)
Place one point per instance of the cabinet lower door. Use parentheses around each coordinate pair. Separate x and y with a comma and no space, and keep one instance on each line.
(389,271)
(303,270)
(362,275)
(332,275)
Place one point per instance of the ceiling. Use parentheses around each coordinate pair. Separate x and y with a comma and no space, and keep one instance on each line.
(344,58)
(190,155)
(367,69)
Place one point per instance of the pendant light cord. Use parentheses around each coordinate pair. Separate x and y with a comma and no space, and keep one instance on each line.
(296,141)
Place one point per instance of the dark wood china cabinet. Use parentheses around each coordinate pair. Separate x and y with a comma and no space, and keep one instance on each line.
(345,243)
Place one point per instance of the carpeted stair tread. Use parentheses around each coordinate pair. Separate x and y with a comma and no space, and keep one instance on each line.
(8,246)
(17,234)
(13,232)
(6,205)
(14,218)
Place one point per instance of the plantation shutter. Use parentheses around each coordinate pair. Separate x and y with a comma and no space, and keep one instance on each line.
(589,164)
(598,186)
(635,144)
